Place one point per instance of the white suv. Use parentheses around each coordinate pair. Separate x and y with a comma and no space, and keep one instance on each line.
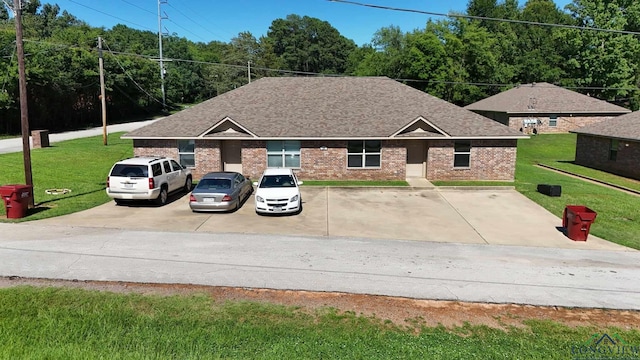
(278,191)
(147,178)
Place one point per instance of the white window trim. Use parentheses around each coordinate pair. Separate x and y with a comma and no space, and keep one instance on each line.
(461,153)
(187,153)
(364,153)
(553,118)
(283,154)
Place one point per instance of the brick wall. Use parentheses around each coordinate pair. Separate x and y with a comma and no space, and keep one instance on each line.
(207,153)
(490,160)
(207,158)
(593,151)
(564,123)
(168,148)
(329,164)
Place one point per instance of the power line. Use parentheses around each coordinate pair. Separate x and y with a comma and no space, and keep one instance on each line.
(308,73)
(107,14)
(192,21)
(131,78)
(139,7)
(453,15)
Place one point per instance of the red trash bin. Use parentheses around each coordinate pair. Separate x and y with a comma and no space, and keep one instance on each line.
(16,199)
(577,220)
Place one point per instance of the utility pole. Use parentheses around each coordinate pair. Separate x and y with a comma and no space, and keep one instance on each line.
(24,112)
(164,97)
(103,99)
(249,70)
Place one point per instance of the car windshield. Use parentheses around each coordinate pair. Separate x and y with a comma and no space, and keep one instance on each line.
(214,184)
(127,170)
(272,181)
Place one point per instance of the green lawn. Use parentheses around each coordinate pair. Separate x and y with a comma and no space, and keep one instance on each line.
(618,217)
(80,165)
(59,323)
(353,183)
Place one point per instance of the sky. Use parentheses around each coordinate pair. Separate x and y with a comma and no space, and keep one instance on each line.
(221,20)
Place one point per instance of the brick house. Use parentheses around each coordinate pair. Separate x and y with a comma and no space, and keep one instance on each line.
(540,108)
(333,128)
(613,146)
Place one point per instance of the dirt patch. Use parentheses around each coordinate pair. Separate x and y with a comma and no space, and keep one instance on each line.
(400,311)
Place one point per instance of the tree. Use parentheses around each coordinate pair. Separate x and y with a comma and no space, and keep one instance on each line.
(602,59)
(309,45)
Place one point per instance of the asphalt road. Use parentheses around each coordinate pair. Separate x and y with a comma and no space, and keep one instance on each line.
(15,144)
(414,269)
(480,272)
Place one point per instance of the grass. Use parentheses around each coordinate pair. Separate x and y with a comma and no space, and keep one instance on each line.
(472,183)
(618,218)
(558,151)
(80,165)
(354,183)
(60,323)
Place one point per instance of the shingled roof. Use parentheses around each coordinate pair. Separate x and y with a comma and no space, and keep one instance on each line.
(547,99)
(324,107)
(624,127)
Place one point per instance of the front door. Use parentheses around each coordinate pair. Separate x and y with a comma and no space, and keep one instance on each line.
(232,155)
(416,154)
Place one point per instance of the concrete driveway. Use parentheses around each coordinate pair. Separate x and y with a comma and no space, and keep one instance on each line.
(500,217)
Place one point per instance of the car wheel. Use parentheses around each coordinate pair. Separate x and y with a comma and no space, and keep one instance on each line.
(188,184)
(162,198)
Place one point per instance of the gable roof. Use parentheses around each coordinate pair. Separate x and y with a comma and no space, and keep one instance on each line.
(624,127)
(323,107)
(545,98)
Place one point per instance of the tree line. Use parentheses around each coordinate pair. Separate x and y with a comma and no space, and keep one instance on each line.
(461,59)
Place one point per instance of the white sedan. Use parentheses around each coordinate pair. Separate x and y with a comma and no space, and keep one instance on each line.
(278,192)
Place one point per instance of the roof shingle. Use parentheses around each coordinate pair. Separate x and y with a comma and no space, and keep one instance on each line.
(545,98)
(624,127)
(324,107)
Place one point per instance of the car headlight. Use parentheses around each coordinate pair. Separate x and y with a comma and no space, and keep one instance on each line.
(259,198)
(295,198)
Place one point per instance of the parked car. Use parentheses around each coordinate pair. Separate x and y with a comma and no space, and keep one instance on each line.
(147,178)
(220,191)
(278,191)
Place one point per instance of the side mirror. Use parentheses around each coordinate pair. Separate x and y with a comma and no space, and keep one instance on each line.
(300,182)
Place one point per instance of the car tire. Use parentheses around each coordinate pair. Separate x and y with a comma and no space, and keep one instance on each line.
(162,197)
(188,184)
(119,201)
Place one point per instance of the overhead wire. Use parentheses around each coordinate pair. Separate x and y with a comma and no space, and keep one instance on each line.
(473,17)
(309,73)
(131,78)
(191,20)
(110,15)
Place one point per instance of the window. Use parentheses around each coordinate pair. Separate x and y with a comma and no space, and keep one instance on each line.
(175,166)
(187,153)
(462,154)
(553,121)
(363,154)
(156,169)
(167,167)
(283,154)
(613,150)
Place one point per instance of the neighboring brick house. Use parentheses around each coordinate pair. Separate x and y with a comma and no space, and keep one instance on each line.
(613,146)
(334,128)
(540,108)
